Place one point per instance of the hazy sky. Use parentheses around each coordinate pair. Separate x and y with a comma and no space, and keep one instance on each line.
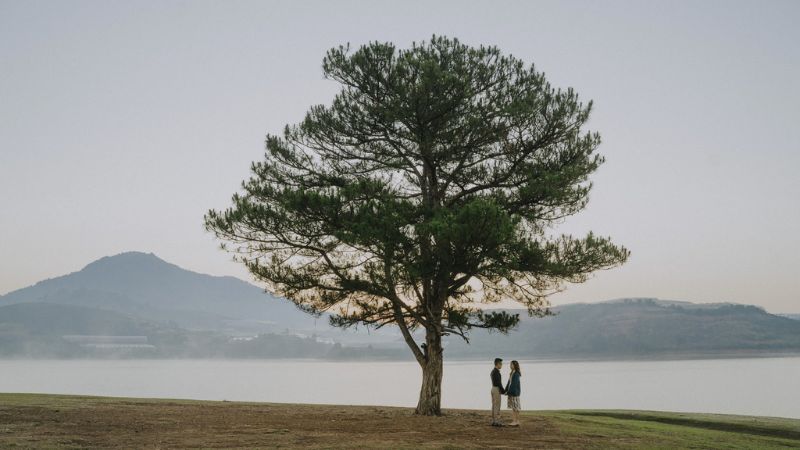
(122,123)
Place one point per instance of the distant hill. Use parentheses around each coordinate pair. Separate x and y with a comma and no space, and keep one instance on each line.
(186,313)
(640,327)
(47,330)
(38,329)
(146,286)
(57,320)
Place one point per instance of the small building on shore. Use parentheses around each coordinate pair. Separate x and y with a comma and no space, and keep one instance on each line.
(102,341)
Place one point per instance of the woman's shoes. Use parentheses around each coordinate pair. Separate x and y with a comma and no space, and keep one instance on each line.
(513,424)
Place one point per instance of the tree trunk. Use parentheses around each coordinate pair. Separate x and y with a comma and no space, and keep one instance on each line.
(430,394)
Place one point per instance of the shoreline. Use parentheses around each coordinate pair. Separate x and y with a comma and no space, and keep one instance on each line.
(504,409)
(733,355)
(70,421)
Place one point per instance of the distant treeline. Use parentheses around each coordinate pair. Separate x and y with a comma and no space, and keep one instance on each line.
(624,329)
(187,345)
(641,327)
(43,330)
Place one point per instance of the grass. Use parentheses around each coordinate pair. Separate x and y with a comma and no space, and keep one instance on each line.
(67,422)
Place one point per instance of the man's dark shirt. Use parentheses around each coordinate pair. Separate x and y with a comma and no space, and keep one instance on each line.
(497,380)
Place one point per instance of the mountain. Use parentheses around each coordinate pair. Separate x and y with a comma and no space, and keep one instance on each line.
(148,287)
(49,319)
(42,330)
(185,313)
(47,330)
(640,327)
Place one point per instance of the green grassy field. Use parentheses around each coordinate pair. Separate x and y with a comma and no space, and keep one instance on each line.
(61,421)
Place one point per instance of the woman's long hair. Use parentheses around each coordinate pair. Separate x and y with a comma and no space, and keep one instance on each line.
(515,367)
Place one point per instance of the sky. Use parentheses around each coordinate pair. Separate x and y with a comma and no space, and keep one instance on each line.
(122,123)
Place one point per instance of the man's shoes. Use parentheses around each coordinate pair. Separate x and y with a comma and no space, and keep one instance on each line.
(498,424)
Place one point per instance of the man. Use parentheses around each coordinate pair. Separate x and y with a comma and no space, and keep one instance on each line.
(497,391)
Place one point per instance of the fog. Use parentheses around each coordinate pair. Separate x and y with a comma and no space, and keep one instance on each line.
(121,123)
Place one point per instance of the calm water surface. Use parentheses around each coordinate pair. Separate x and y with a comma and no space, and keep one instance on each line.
(761,386)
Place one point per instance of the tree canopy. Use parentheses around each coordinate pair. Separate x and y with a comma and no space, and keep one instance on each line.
(428,186)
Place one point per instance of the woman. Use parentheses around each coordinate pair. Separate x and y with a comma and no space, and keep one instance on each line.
(513,389)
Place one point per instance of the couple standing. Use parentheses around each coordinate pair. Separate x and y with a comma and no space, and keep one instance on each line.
(512,389)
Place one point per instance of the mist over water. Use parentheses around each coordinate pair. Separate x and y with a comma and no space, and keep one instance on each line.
(757,386)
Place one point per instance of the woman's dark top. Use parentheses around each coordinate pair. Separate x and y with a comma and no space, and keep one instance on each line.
(497,380)
(514,387)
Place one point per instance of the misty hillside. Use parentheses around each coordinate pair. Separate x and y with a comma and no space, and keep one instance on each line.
(53,319)
(636,327)
(185,313)
(43,329)
(146,286)
(47,330)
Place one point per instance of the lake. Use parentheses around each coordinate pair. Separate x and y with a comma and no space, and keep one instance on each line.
(756,386)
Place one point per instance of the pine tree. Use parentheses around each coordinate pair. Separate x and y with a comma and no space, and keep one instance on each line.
(423,192)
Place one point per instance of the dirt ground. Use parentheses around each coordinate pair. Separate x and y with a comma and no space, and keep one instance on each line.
(89,422)
(50,421)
